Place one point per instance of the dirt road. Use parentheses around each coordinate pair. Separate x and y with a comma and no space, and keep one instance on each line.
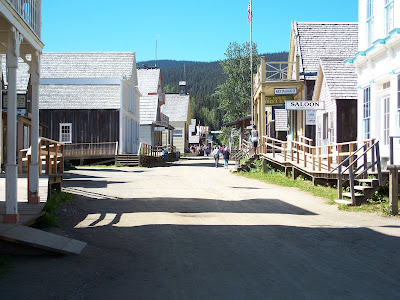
(192,231)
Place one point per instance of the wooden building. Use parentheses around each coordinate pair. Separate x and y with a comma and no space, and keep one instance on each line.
(91,101)
(377,65)
(311,41)
(335,86)
(177,108)
(152,121)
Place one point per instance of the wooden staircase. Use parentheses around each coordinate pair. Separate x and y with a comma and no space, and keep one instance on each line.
(354,170)
(130,160)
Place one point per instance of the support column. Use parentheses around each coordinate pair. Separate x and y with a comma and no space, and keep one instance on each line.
(34,171)
(14,42)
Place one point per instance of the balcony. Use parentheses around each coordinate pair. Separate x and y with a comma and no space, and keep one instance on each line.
(30,11)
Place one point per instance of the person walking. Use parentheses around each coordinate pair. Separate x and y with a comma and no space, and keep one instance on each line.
(216,153)
(254,138)
(226,155)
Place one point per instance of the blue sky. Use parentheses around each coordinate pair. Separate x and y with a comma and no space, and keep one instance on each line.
(199,30)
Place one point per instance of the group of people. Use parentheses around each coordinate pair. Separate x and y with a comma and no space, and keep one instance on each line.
(225,153)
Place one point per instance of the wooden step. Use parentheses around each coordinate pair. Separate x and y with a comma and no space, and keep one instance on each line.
(348,195)
(362,187)
(346,202)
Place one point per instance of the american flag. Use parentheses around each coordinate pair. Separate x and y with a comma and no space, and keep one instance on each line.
(250,14)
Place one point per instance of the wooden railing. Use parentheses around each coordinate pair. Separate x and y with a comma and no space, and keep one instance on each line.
(355,170)
(91,150)
(51,155)
(154,151)
(31,12)
(316,157)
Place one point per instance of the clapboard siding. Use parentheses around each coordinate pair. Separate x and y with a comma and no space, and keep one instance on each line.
(88,126)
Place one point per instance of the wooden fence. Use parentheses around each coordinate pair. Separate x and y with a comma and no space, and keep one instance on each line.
(91,150)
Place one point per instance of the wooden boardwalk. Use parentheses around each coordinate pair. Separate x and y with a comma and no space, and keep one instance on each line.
(28,213)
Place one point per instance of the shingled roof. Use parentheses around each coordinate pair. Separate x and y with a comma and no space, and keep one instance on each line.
(84,80)
(148,109)
(87,64)
(176,107)
(148,80)
(340,78)
(316,40)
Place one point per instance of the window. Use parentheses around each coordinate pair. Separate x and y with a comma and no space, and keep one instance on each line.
(366,113)
(398,105)
(66,132)
(386,118)
(389,15)
(325,126)
(370,22)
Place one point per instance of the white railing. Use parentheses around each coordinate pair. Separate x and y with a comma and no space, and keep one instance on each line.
(31,12)
(278,70)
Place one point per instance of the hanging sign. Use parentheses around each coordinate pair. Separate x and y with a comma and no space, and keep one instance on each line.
(22,102)
(304,105)
(159,129)
(287,91)
(277,100)
(311,117)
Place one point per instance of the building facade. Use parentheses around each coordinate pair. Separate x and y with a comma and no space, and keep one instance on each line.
(377,65)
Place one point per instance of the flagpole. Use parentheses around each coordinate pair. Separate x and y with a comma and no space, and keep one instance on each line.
(251,60)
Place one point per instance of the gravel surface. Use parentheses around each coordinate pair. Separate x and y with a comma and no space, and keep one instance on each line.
(193,231)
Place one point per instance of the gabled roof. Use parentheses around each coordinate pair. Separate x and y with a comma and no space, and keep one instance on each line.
(316,40)
(148,109)
(84,80)
(341,79)
(87,64)
(148,80)
(176,107)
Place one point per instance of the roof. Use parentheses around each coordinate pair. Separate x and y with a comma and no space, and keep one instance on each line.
(316,40)
(148,80)
(148,109)
(88,80)
(22,74)
(341,79)
(87,64)
(176,107)
(79,97)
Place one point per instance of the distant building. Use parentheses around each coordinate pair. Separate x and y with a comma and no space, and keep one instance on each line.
(152,121)
(177,108)
(377,65)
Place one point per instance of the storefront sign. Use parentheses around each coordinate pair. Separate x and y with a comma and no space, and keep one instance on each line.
(277,100)
(289,91)
(22,102)
(159,129)
(311,117)
(304,105)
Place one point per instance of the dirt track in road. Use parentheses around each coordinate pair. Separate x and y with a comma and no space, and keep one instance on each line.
(192,231)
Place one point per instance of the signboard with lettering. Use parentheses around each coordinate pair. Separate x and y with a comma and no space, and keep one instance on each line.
(287,91)
(304,105)
(22,102)
(277,100)
(159,129)
(311,117)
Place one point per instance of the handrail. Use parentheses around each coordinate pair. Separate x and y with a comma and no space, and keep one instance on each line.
(362,155)
(348,158)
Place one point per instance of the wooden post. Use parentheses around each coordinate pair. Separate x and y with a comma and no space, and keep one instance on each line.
(365,156)
(291,150)
(273,148)
(297,154)
(313,159)
(351,180)
(47,158)
(20,168)
(329,157)
(284,150)
(373,156)
(340,183)
(62,160)
(339,157)
(319,158)
(305,157)
(394,190)
(55,159)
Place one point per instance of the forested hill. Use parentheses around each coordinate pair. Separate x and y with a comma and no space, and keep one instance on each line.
(202,79)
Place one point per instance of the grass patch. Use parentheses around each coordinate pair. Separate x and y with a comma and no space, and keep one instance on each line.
(278,177)
(49,219)
(5,265)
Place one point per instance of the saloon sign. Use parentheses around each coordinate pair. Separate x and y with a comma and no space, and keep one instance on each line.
(304,105)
